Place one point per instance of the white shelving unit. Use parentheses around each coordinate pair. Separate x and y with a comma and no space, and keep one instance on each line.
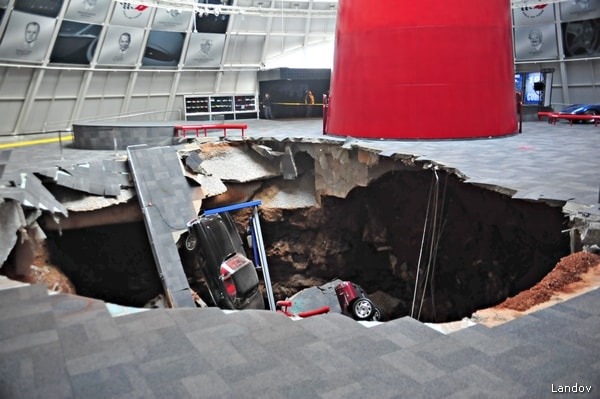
(221,107)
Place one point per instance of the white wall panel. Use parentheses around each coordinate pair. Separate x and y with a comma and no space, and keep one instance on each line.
(579,72)
(277,45)
(99,108)
(60,84)
(49,115)
(246,83)
(197,83)
(248,23)
(96,87)
(583,95)
(15,82)
(38,116)
(115,83)
(244,49)
(153,84)
(155,106)
(10,113)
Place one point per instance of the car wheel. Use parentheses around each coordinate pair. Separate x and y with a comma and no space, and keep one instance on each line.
(377,315)
(191,241)
(589,112)
(363,309)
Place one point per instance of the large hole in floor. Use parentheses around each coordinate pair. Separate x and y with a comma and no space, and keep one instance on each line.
(464,247)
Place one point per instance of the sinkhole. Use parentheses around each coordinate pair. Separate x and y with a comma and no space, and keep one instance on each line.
(418,240)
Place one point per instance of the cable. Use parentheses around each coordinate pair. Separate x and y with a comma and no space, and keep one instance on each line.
(412,310)
(437,242)
(435,190)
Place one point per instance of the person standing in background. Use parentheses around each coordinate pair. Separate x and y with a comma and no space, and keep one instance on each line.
(267,113)
(309,101)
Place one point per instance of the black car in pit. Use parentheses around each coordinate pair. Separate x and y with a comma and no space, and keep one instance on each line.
(212,250)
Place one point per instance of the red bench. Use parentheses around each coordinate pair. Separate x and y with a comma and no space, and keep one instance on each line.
(224,126)
(547,114)
(572,118)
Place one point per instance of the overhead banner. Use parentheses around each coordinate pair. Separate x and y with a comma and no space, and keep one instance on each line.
(205,50)
(536,42)
(171,20)
(129,14)
(76,43)
(27,37)
(91,11)
(533,15)
(121,46)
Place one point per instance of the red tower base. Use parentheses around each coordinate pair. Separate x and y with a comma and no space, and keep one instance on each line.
(425,70)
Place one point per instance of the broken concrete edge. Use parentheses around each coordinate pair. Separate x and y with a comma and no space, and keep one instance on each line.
(332,174)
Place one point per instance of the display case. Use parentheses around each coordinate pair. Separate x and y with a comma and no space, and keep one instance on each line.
(245,106)
(201,108)
(195,105)
(221,104)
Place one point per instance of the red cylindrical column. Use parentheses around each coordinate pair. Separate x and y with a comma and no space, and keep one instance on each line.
(423,69)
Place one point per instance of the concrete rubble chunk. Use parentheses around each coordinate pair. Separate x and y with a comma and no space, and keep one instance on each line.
(288,165)
(287,194)
(13,219)
(239,164)
(265,151)
(194,162)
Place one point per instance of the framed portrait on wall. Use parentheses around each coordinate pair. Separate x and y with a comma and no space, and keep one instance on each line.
(171,20)
(205,50)
(535,42)
(27,37)
(90,11)
(121,46)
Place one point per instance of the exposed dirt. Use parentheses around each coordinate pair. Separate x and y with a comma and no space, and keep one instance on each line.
(573,275)
(569,270)
(43,272)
